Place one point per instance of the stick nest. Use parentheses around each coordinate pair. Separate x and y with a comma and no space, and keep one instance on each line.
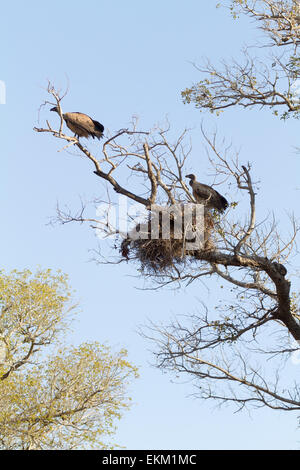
(157,255)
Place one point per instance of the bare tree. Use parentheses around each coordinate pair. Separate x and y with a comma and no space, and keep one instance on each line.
(251,256)
(264,80)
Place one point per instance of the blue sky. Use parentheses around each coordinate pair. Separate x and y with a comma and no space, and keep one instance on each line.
(123,59)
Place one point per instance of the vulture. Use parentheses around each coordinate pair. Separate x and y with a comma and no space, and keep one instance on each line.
(82,125)
(206,195)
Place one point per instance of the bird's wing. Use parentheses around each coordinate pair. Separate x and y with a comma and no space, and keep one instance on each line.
(202,191)
(80,120)
(222,203)
(98,125)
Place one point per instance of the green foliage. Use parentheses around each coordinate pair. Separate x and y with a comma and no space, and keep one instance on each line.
(200,95)
(70,399)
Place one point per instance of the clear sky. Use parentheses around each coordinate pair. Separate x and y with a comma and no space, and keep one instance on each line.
(123,59)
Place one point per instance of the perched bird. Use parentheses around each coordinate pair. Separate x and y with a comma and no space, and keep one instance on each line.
(82,125)
(206,195)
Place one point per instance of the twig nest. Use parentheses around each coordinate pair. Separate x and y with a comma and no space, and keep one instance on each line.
(169,237)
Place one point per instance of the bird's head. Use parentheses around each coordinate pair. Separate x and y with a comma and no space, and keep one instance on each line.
(55,109)
(191,176)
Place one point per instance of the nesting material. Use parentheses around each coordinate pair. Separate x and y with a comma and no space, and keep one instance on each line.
(159,253)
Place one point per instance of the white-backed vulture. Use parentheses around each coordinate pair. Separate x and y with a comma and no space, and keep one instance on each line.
(82,125)
(207,195)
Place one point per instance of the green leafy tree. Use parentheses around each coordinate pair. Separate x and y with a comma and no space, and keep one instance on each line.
(68,399)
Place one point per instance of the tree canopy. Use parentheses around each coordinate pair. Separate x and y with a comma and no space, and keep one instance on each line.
(69,398)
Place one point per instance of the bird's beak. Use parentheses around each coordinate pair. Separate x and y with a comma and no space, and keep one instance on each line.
(53,109)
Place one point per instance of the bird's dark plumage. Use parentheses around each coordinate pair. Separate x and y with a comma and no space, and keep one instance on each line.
(82,125)
(207,195)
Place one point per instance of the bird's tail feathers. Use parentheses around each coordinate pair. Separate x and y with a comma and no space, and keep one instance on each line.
(98,136)
(223,203)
